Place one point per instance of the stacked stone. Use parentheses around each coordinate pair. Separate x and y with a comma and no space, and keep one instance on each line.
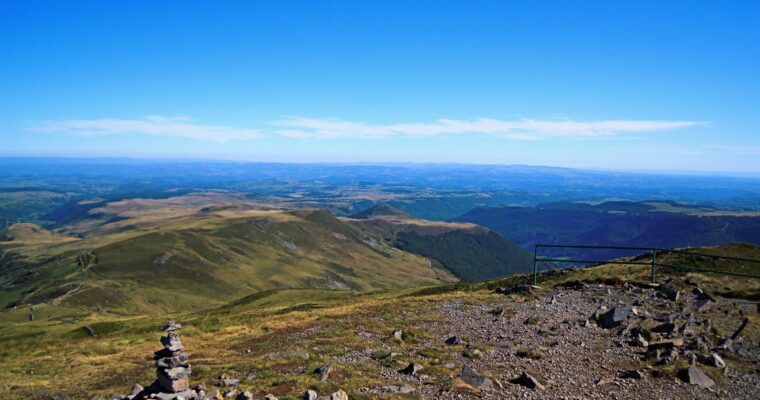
(172,368)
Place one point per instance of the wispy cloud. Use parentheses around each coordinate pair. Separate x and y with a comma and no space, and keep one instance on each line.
(149,125)
(525,129)
(748,150)
(297,127)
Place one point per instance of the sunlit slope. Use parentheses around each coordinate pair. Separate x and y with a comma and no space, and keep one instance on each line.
(207,259)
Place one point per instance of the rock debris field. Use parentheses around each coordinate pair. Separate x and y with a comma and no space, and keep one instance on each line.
(581,341)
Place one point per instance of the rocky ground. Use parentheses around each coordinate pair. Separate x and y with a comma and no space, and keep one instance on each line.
(572,342)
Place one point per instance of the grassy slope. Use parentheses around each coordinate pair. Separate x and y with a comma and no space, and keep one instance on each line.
(48,357)
(206,259)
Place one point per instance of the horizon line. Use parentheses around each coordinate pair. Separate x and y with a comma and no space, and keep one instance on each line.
(168,159)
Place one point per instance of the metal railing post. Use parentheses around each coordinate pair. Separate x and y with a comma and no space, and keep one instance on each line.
(535,265)
(654,265)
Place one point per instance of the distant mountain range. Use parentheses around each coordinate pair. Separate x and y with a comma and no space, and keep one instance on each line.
(618,223)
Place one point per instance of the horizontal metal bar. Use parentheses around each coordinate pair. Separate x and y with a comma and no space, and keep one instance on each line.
(564,260)
(562,246)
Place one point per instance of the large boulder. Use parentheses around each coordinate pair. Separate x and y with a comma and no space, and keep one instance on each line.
(695,376)
(473,378)
(615,317)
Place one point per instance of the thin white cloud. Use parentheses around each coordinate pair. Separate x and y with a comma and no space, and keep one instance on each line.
(149,125)
(301,128)
(525,129)
(747,150)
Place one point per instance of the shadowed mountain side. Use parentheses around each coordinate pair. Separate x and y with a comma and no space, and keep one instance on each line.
(469,251)
(620,223)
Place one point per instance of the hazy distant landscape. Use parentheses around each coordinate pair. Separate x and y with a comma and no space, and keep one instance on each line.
(355,200)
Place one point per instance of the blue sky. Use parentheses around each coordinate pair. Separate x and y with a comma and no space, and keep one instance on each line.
(620,85)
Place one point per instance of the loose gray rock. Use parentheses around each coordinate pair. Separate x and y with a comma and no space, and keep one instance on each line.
(640,341)
(632,374)
(529,381)
(310,395)
(454,340)
(473,378)
(614,317)
(136,389)
(411,369)
(249,396)
(473,353)
(695,376)
(339,395)
(226,381)
(303,354)
(324,372)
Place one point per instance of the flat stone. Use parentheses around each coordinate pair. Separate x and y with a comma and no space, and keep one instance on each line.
(175,373)
(473,378)
(667,344)
(173,362)
(172,344)
(529,381)
(163,353)
(406,389)
(185,394)
(173,386)
(171,326)
(695,376)
(303,354)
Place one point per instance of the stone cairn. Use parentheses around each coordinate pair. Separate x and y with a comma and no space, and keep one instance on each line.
(172,368)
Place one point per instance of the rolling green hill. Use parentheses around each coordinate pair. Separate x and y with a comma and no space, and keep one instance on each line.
(199,259)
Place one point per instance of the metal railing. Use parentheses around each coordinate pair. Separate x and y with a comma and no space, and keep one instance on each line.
(652,263)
